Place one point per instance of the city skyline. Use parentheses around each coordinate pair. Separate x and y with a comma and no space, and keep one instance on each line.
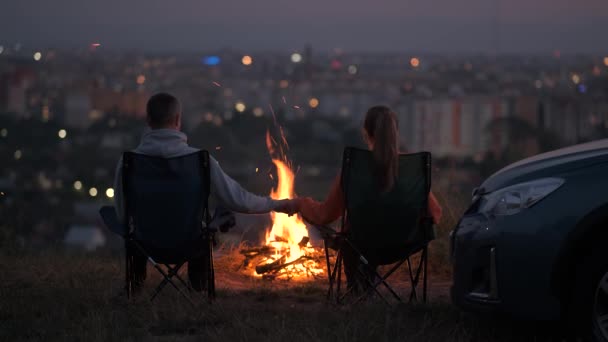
(433,26)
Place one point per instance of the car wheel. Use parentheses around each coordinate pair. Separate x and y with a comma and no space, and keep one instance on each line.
(600,308)
(590,300)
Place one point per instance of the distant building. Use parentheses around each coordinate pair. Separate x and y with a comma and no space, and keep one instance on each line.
(19,82)
(130,102)
(451,126)
(77,109)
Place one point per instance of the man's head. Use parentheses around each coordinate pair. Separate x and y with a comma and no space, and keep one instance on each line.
(164,111)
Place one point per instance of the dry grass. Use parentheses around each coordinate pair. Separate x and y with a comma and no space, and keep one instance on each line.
(63,296)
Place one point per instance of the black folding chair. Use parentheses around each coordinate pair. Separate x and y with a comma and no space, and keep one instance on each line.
(381,228)
(166,218)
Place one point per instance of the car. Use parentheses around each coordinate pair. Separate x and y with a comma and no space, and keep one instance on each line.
(534,241)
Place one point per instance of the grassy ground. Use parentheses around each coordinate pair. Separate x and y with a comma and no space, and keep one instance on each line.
(60,296)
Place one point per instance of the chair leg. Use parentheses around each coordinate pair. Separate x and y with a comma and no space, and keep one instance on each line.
(413,295)
(128,266)
(211,273)
(329,270)
(159,288)
(425,273)
(390,289)
(372,287)
(416,279)
(167,280)
(183,282)
(339,276)
(171,273)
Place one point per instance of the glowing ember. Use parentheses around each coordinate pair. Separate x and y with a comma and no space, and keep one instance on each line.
(292,256)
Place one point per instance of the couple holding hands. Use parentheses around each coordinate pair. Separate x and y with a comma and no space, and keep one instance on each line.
(165,139)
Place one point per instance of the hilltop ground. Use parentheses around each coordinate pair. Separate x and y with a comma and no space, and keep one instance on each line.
(65,296)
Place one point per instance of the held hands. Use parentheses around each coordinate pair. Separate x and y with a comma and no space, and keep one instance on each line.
(288,206)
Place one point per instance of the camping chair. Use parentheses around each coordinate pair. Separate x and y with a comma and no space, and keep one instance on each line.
(166,217)
(382,228)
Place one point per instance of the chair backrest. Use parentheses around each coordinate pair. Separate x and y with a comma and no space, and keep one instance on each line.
(378,220)
(166,199)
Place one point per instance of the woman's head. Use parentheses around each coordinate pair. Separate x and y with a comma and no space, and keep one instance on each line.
(380,131)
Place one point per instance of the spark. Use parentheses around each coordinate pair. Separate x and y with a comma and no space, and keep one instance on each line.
(283,138)
(216,84)
(296,107)
(95,45)
(270,175)
(285,102)
(256,170)
(274,117)
(217,148)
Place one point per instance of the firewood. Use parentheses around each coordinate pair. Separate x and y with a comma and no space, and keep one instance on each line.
(275,265)
(304,242)
(280,264)
(254,251)
(278,238)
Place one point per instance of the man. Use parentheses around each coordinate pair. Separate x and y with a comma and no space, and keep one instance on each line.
(164,139)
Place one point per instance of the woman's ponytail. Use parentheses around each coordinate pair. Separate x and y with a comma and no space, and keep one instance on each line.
(381,126)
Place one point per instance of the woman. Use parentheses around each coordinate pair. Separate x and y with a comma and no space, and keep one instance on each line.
(380,132)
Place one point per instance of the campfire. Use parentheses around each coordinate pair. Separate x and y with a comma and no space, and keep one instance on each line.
(287,252)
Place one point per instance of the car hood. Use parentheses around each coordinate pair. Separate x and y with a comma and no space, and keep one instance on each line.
(547,164)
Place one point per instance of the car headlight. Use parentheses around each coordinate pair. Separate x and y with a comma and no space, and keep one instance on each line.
(515,198)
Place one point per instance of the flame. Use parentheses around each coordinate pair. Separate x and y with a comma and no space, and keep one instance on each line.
(284,227)
(288,235)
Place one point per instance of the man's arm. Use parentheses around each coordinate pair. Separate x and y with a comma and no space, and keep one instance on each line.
(232,195)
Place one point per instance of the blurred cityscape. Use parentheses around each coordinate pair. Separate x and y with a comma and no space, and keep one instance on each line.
(66,116)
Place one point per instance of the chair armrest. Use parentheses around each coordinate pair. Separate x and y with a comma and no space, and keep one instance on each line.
(222,220)
(326,231)
(428,227)
(110,219)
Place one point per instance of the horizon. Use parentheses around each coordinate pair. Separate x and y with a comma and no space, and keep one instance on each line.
(473,26)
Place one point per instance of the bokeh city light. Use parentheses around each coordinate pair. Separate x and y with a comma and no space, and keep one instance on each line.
(247,60)
(240,107)
(313,102)
(296,57)
(78,185)
(415,62)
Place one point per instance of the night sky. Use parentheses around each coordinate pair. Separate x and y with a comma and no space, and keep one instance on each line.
(456,26)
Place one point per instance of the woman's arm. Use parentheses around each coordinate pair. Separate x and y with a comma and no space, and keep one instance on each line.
(435,210)
(325,212)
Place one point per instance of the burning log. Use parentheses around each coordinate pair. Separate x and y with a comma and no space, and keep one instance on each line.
(280,264)
(255,251)
(278,238)
(304,242)
(275,265)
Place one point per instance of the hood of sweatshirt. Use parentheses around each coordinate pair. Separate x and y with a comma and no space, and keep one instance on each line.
(166,143)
